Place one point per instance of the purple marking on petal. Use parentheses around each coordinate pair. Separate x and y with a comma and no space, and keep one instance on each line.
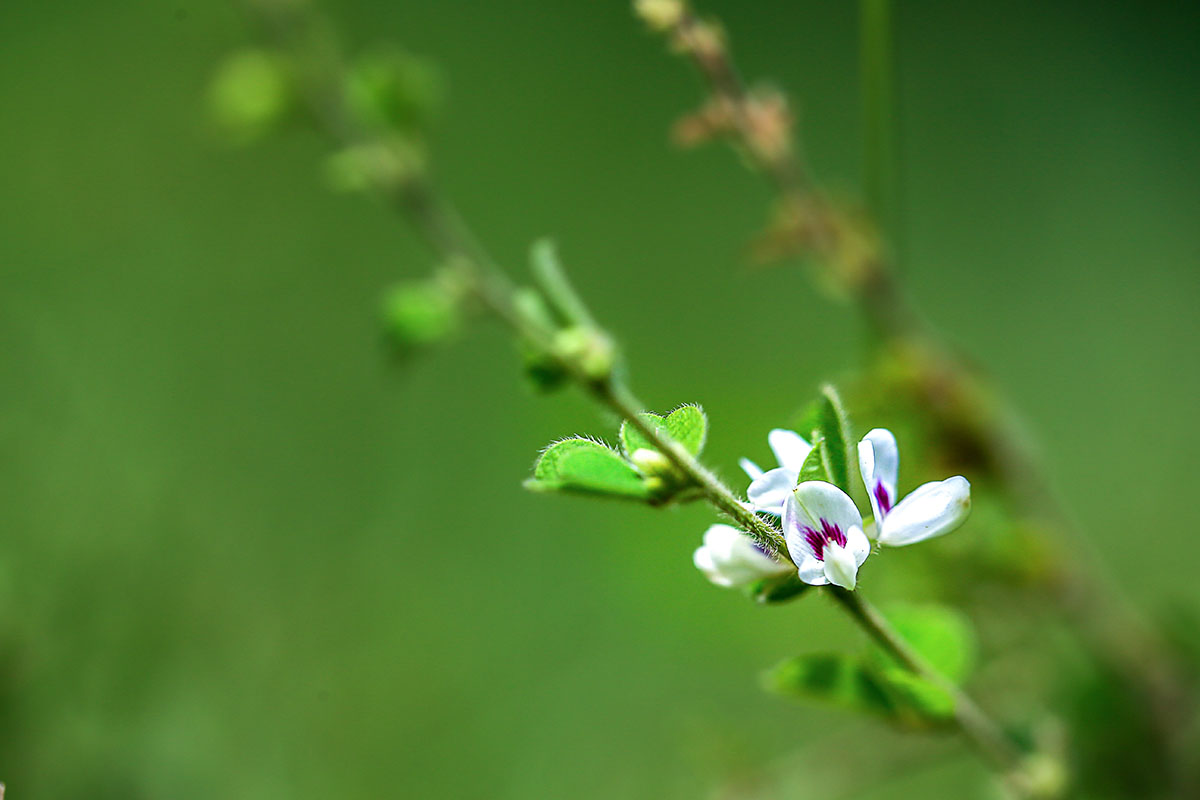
(881,497)
(833,533)
(830,533)
(816,542)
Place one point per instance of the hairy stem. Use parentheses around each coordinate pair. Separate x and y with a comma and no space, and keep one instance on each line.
(448,236)
(975,725)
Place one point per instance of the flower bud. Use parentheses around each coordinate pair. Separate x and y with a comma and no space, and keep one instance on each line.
(589,349)
(660,15)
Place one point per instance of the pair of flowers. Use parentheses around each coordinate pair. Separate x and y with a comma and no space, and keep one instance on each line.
(823,529)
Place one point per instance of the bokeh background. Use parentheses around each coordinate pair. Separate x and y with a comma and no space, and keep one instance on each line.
(243,554)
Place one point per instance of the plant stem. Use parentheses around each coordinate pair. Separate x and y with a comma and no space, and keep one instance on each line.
(440,225)
(984,734)
(878,110)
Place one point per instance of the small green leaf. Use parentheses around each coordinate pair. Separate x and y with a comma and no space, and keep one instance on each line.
(250,94)
(420,313)
(633,439)
(582,465)
(687,425)
(814,468)
(393,91)
(915,701)
(827,417)
(833,679)
(899,697)
(942,636)
(779,589)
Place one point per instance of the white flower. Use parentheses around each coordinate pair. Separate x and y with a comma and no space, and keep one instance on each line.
(730,558)
(930,510)
(770,490)
(824,534)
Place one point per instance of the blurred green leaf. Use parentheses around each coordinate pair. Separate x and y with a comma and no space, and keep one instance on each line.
(583,465)
(687,425)
(779,589)
(421,313)
(854,684)
(941,635)
(250,94)
(544,372)
(830,678)
(384,164)
(826,419)
(394,91)
(915,701)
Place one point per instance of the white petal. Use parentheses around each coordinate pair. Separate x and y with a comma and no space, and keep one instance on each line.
(932,510)
(731,558)
(769,491)
(858,544)
(879,463)
(840,566)
(812,572)
(750,468)
(820,501)
(703,560)
(789,448)
(794,523)
(721,538)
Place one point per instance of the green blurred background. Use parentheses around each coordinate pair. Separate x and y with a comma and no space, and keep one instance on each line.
(244,555)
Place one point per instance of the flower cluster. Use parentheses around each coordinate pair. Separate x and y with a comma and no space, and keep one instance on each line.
(826,537)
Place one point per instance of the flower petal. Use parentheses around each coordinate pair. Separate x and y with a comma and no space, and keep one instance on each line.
(769,491)
(858,544)
(731,558)
(795,521)
(812,572)
(840,566)
(820,501)
(879,463)
(750,468)
(931,510)
(789,448)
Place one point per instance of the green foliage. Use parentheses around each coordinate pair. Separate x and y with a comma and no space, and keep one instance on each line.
(942,636)
(394,91)
(544,372)
(814,468)
(384,164)
(421,313)
(550,276)
(830,678)
(584,465)
(825,421)
(875,683)
(779,589)
(687,425)
(250,94)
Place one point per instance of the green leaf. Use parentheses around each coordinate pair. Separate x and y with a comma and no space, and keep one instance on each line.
(942,636)
(633,439)
(420,313)
(814,468)
(779,589)
(393,91)
(826,419)
(582,465)
(899,697)
(251,93)
(915,701)
(687,425)
(833,679)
